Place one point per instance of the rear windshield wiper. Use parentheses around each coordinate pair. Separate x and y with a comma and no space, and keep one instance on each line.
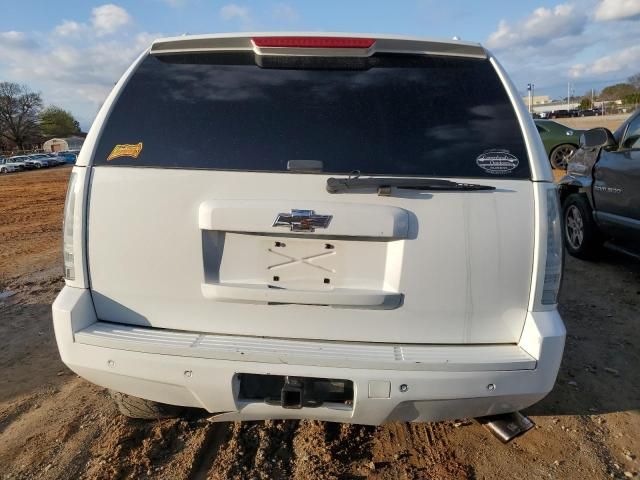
(383,185)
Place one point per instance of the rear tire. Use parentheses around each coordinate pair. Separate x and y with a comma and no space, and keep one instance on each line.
(3,170)
(140,408)
(580,232)
(560,156)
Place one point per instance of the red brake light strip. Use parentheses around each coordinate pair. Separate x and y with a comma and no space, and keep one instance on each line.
(313,42)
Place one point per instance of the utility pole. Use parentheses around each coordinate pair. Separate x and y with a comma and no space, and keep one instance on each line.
(533,95)
(530,90)
(568,95)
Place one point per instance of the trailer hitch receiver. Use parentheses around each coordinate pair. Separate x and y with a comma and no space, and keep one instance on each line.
(292,393)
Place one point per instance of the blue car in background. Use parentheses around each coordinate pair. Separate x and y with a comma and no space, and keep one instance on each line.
(69,157)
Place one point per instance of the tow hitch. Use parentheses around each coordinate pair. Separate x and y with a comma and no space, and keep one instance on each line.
(292,393)
(295,392)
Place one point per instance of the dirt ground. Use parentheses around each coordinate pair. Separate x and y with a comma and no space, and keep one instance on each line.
(53,424)
(585,123)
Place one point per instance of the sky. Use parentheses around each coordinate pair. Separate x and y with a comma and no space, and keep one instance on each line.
(73,51)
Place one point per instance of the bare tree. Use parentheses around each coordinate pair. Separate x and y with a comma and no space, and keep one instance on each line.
(19,109)
(635,80)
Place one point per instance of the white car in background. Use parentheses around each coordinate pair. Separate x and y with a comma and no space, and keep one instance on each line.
(22,161)
(28,163)
(7,166)
(347,228)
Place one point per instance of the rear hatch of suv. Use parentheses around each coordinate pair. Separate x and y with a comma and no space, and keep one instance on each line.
(212,206)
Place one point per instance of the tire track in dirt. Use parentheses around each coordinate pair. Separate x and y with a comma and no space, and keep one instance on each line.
(59,436)
(170,448)
(15,410)
(206,452)
(416,450)
(260,450)
(332,450)
(594,436)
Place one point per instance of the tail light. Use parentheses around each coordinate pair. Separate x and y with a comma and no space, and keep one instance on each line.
(554,256)
(313,42)
(68,229)
(73,231)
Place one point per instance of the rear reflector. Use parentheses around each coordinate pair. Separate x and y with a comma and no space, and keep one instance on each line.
(313,42)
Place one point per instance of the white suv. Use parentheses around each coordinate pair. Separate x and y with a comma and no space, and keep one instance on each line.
(341,227)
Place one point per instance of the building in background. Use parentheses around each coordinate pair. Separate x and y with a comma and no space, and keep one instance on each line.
(556,105)
(62,144)
(537,100)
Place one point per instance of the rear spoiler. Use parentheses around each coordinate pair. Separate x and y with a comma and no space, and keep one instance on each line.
(261,45)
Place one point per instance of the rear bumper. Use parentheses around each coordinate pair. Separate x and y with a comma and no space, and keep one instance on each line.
(191,369)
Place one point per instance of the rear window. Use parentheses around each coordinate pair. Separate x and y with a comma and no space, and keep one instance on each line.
(393,115)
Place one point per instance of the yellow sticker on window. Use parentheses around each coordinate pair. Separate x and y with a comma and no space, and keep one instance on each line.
(125,150)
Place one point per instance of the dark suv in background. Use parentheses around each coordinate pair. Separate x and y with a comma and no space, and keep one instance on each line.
(601,192)
(560,114)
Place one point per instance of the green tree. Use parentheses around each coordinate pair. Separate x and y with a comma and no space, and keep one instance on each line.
(617,91)
(585,103)
(632,99)
(19,109)
(56,122)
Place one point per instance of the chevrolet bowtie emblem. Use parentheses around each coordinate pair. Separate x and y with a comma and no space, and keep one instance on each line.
(302,220)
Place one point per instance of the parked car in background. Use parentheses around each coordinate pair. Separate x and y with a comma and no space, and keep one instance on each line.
(273,283)
(55,159)
(7,166)
(601,193)
(67,156)
(588,112)
(560,141)
(43,158)
(560,114)
(21,160)
(49,157)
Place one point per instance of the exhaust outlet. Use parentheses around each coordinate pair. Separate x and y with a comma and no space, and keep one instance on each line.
(507,426)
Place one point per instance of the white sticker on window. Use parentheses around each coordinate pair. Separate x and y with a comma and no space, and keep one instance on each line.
(497,162)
